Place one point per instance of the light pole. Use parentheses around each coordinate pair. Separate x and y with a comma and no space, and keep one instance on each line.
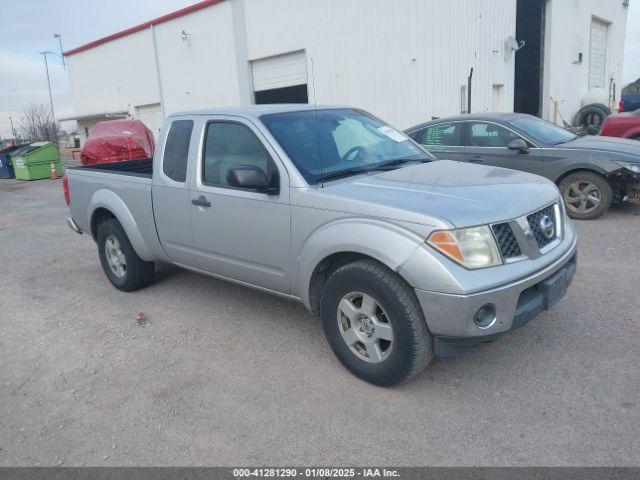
(46,66)
(59,37)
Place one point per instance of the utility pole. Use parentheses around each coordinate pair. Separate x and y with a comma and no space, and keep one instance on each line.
(59,37)
(46,66)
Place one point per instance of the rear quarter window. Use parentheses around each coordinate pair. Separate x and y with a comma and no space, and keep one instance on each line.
(440,136)
(176,150)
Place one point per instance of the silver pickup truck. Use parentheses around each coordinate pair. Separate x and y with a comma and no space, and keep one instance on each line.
(401,256)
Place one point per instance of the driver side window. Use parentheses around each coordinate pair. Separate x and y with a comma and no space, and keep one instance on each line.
(490,135)
(228,145)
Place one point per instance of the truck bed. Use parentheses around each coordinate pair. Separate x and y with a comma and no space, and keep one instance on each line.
(137,168)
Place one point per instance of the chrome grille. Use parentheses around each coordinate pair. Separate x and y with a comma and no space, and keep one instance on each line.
(536,220)
(507,241)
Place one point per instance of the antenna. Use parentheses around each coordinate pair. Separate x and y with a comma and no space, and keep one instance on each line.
(315,109)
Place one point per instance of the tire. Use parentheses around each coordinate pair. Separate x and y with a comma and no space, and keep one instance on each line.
(578,186)
(592,116)
(135,273)
(411,347)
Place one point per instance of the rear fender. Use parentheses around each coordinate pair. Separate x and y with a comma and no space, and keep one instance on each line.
(110,201)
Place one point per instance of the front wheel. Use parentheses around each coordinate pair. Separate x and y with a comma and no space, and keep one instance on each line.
(586,195)
(121,264)
(374,324)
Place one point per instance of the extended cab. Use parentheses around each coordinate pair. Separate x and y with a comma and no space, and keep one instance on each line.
(402,257)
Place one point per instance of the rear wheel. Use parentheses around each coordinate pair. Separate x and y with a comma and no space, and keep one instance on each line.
(374,323)
(586,195)
(121,264)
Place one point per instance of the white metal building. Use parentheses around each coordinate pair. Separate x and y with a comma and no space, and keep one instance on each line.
(404,61)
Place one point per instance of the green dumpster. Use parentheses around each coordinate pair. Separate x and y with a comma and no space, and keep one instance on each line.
(33,162)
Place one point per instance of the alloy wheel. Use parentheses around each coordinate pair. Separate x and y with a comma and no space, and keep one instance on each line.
(582,197)
(115,258)
(365,327)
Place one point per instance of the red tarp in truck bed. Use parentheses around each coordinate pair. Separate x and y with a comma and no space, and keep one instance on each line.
(117,140)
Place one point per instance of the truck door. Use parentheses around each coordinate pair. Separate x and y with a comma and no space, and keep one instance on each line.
(170,191)
(241,233)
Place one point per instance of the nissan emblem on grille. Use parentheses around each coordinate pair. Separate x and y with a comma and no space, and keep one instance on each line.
(547,226)
(543,226)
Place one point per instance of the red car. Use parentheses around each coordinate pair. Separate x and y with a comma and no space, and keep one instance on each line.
(624,125)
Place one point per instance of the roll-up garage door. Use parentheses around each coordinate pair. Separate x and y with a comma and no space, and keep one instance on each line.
(280,71)
(598,54)
(151,116)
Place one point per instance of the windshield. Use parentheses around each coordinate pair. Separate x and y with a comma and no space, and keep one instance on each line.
(543,131)
(340,142)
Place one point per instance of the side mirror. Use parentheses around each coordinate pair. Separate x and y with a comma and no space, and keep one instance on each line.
(519,145)
(250,177)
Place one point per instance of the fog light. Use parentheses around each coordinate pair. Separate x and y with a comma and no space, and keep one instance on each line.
(485,316)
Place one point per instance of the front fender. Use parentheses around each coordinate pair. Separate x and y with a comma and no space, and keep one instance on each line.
(108,200)
(390,244)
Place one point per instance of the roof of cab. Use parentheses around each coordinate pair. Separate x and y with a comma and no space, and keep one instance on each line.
(257,110)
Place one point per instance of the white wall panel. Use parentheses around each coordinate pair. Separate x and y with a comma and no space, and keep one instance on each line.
(568,33)
(280,71)
(404,61)
(151,116)
(114,76)
(598,54)
(200,72)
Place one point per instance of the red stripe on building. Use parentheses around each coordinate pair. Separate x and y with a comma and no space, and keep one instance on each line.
(142,26)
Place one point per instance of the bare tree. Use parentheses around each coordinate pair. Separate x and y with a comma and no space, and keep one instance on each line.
(37,123)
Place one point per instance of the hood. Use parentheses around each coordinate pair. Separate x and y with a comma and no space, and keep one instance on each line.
(604,144)
(461,194)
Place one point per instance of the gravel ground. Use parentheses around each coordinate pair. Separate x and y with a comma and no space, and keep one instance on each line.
(223,375)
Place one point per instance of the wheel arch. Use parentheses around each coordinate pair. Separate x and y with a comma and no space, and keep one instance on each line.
(360,239)
(105,205)
(323,271)
(582,168)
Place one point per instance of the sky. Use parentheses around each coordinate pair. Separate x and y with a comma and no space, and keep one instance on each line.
(32,24)
(29,29)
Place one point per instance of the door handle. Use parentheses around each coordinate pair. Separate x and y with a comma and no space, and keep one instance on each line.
(201,201)
(475,159)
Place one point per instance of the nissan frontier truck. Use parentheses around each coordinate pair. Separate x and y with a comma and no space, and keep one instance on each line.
(403,258)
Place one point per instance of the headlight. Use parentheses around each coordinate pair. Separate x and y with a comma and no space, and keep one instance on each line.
(472,248)
(633,167)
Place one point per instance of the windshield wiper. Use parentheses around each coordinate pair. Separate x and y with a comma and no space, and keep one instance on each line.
(396,163)
(377,168)
(342,173)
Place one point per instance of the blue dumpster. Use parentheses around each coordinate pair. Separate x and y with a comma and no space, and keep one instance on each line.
(6,164)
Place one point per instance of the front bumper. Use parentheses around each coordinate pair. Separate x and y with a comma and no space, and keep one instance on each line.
(450,316)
